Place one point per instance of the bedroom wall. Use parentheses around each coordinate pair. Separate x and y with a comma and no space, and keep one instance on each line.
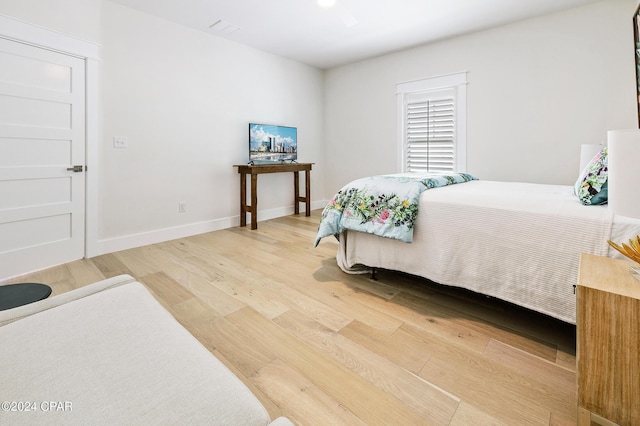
(183,99)
(537,89)
(79,18)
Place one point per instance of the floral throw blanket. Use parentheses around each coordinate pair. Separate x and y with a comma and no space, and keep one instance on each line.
(384,205)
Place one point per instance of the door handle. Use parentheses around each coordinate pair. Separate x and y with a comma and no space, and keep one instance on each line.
(76,169)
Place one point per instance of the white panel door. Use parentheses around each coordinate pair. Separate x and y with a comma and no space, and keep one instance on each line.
(42,136)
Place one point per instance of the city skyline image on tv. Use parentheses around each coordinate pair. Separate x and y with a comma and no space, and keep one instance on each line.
(272,143)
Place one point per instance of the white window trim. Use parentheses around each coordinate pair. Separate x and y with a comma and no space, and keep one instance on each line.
(457,81)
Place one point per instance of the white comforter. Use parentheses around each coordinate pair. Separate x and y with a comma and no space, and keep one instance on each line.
(515,241)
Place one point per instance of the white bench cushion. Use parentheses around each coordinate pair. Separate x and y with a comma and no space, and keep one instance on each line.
(117,357)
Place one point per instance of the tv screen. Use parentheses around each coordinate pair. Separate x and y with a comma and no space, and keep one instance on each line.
(269,143)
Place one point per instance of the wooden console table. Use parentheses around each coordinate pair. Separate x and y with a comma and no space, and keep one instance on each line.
(255,170)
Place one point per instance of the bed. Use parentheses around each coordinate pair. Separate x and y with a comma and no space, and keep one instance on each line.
(519,242)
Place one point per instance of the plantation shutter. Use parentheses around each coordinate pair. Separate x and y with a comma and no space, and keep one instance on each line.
(430,131)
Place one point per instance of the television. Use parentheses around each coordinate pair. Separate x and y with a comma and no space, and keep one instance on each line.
(269,143)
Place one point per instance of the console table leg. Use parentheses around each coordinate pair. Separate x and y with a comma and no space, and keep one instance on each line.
(307,195)
(254,201)
(243,199)
(296,192)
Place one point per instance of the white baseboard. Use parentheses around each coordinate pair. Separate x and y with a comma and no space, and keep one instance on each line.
(126,242)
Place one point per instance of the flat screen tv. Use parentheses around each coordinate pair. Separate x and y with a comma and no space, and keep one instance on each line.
(269,143)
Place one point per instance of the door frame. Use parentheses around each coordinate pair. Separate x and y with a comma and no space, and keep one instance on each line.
(35,35)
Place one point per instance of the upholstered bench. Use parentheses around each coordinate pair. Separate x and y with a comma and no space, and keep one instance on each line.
(109,353)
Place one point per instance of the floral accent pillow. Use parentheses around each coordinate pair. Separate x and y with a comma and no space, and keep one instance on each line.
(591,186)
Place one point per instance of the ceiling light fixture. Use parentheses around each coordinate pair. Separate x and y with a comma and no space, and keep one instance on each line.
(326,3)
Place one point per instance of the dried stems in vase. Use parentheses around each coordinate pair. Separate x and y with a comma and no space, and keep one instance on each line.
(632,251)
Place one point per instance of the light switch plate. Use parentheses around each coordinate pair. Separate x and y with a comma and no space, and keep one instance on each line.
(120,142)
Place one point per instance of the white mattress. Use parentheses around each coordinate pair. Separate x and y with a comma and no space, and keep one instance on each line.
(519,242)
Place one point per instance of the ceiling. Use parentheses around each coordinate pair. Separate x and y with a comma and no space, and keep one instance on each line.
(349,31)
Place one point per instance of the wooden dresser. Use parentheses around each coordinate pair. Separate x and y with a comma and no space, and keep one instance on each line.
(608,342)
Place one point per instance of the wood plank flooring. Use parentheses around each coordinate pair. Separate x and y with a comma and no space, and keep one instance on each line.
(324,347)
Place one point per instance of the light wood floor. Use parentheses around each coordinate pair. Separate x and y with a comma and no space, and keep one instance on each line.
(326,348)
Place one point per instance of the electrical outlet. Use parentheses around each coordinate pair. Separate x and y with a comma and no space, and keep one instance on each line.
(182,207)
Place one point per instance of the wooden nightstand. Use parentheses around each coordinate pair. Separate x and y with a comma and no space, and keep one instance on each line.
(608,342)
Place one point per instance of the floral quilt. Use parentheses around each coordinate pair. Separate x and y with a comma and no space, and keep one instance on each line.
(385,205)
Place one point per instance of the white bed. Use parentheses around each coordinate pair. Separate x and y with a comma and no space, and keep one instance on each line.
(515,241)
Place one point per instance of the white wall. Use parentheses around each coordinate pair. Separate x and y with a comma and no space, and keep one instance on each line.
(184,100)
(79,18)
(537,90)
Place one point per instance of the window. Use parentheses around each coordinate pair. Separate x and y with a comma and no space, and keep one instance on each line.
(432,124)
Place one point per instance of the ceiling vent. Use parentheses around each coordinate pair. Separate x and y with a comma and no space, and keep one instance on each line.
(223,28)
